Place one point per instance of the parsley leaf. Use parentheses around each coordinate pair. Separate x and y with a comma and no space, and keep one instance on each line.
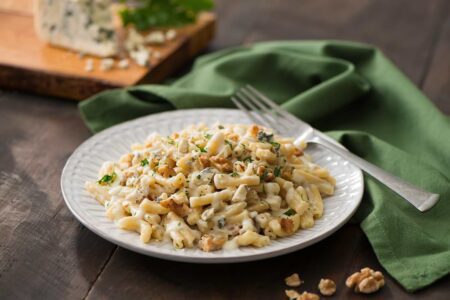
(234,174)
(202,149)
(275,145)
(221,127)
(107,179)
(170,141)
(277,171)
(264,137)
(290,212)
(264,175)
(144,162)
(247,159)
(229,144)
(208,136)
(144,14)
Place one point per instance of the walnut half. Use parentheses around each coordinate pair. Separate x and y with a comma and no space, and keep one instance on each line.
(366,281)
(293,280)
(294,295)
(327,287)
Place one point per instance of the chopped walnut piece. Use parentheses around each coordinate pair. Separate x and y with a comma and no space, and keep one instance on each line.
(327,287)
(260,171)
(204,161)
(165,171)
(298,152)
(366,281)
(287,174)
(269,177)
(234,137)
(293,280)
(254,129)
(222,164)
(287,225)
(292,294)
(308,296)
(181,210)
(211,242)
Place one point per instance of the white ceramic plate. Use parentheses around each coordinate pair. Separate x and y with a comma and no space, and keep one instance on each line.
(110,144)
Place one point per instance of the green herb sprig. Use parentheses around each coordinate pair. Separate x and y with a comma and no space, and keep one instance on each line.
(290,212)
(144,14)
(144,162)
(106,179)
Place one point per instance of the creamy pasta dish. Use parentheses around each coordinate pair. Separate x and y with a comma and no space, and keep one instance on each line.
(214,188)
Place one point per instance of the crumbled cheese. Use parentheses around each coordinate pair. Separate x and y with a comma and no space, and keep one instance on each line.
(89,66)
(156,37)
(141,57)
(106,64)
(134,41)
(171,34)
(123,63)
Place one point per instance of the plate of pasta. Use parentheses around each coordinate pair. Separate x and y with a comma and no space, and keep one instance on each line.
(208,186)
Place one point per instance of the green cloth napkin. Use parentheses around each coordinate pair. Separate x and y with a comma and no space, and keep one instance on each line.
(371,108)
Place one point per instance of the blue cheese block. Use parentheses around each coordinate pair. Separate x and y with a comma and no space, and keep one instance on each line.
(81,25)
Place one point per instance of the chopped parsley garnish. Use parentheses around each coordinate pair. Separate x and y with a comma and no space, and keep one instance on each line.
(229,144)
(275,145)
(264,175)
(170,141)
(290,212)
(247,159)
(147,14)
(202,149)
(264,137)
(277,171)
(208,136)
(199,176)
(144,162)
(107,178)
(221,127)
(234,174)
(221,223)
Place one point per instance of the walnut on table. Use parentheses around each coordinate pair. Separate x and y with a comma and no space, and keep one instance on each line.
(366,281)
(293,280)
(294,295)
(327,287)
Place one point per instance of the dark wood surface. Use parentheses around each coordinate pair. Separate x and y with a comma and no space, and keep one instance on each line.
(46,254)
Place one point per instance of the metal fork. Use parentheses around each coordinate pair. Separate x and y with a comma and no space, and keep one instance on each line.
(260,109)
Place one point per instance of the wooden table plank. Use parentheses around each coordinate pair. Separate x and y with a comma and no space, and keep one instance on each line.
(45,253)
(335,257)
(18,7)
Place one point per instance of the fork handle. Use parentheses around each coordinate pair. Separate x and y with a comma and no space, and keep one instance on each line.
(421,199)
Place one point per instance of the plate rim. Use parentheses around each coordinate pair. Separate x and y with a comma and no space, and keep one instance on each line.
(189,258)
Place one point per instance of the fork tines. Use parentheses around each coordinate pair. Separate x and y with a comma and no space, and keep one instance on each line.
(262,110)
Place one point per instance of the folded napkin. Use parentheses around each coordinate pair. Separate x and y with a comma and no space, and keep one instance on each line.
(371,108)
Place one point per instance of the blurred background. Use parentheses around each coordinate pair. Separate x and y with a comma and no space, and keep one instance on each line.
(414,34)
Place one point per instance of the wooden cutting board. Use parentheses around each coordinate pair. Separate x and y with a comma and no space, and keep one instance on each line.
(28,64)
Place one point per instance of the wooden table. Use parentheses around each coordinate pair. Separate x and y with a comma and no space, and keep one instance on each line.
(45,253)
